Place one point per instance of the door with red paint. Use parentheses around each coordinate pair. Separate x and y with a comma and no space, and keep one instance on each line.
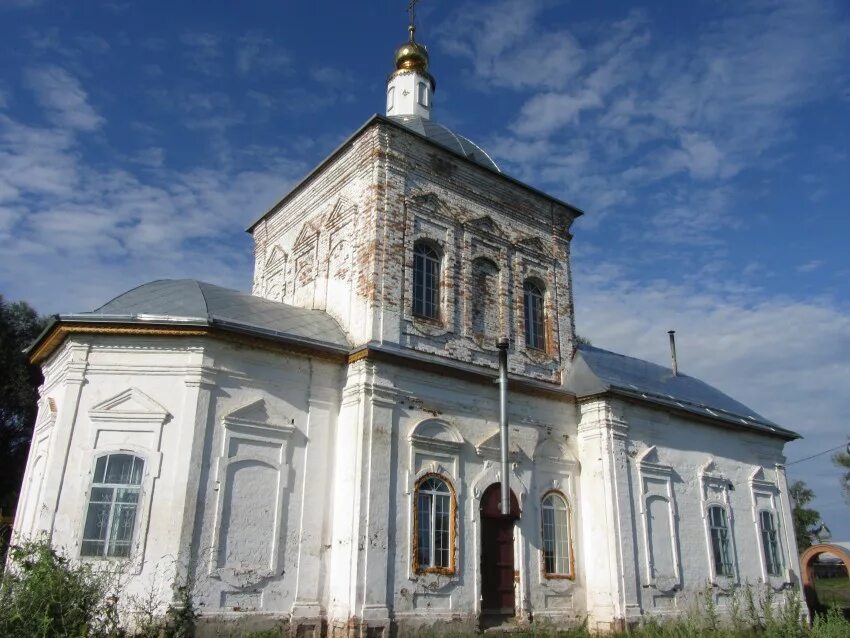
(497,554)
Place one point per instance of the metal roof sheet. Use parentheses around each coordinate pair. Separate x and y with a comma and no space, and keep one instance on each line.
(188,300)
(595,370)
(446,137)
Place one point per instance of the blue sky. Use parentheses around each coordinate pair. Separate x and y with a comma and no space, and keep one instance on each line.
(708,143)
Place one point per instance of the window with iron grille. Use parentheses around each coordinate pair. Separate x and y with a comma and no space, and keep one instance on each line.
(719,532)
(556,536)
(434,524)
(426,281)
(770,542)
(113,505)
(534,319)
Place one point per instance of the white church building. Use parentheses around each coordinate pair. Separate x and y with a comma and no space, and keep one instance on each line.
(325,450)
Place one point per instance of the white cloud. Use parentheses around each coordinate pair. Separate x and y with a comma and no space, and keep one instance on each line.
(548,112)
(810,266)
(203,50)
(258,53)
(63,98)
(508,49)
(60,214)
(649,114)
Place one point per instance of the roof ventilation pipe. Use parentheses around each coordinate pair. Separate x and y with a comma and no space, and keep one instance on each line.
(503,345)
(672,334)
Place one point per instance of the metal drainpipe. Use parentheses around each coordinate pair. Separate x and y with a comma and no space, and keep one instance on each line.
(503,345)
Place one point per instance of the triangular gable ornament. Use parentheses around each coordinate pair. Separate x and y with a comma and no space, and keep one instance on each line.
(130,405)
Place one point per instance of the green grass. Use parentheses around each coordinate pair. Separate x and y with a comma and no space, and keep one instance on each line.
(833,591)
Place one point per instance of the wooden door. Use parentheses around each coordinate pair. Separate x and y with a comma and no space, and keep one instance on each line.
(497,554)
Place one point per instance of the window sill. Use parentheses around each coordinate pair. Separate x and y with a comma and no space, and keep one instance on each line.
(439,571)
(436,321)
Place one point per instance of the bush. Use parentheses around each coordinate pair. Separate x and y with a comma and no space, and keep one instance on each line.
(44,595)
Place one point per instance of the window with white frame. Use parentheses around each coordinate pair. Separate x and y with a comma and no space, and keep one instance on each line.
(426,281)
(719,534)
(535,336)
(770,542)
(422,94)
(390,98)
(112,506)
(555,516)
(434,514)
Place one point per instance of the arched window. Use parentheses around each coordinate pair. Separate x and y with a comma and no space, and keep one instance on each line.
(719,533)
(113,503)
(434,525)
(535,335)
(557,558)
(426,281)
(422,94)
(770,542)
(390,98)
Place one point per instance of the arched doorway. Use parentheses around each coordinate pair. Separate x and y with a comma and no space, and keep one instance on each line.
(498,596)
(807,567)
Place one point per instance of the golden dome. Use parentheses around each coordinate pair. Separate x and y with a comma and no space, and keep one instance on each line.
(411,55)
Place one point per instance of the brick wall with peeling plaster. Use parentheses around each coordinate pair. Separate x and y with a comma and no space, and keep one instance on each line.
(372,203)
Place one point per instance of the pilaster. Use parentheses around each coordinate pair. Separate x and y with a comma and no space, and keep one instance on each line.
(612,596)
(307,609)
(198,388)
(69,405)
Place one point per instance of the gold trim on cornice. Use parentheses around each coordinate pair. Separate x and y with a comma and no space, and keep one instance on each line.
(473,376)
(62,331)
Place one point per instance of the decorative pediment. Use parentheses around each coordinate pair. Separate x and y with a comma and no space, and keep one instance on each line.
(306,238)
(130,405)
(650,463)
(256,416)
(46,413)
(426,199)
(276,257)
(552,451)
(649,455)
(341,213)
(436,435)
(487,225)
(491,448)
(534,244)
(759,481)
(709,470)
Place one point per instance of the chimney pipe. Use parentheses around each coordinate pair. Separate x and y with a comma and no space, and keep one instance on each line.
(503,345)
(672,334)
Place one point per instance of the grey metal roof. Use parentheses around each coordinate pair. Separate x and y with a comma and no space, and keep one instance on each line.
(186,301)
(445,137)
(595,371)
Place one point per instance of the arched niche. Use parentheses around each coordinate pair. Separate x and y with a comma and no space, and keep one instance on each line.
(436,434)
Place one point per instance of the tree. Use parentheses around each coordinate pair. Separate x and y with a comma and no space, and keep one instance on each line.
(804,519)
(842,460)
(19,381)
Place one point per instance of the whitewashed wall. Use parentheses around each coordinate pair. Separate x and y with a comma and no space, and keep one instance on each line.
(283,485)
(655,474)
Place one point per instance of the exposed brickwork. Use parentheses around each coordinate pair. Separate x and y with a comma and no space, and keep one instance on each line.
(344,243)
